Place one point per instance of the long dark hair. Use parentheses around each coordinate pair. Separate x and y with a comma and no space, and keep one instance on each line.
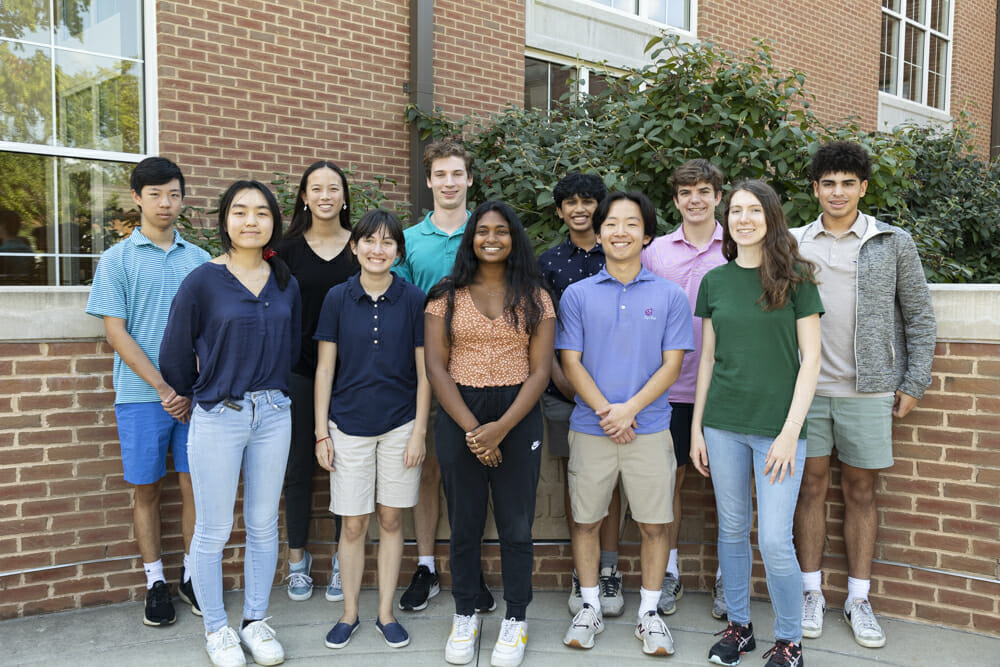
(523,282)
(781,267)
(302,217)
(281,270)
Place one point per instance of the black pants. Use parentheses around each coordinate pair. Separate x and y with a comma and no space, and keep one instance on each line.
(301,463)
(468,485)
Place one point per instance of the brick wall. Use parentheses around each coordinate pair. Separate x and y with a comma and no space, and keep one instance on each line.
(67,542)
(837,46)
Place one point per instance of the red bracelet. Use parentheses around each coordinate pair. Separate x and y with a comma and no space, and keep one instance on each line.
(322,439)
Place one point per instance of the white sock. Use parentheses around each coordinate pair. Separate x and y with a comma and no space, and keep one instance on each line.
(857,589)
(187,569)
(154,573)
(812,581)
(591,596)
(718,573)
(428,561)
(672,564)
(647,601)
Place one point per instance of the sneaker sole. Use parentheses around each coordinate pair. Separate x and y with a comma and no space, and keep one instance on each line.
(334,597)
(486,610)
(503,661)
(453,659)
(658,651)
(435,589)
(714,659)
(814,634)
(720,617)
(392,644)
(346,641)
(264,661)
(194,607)
(157,624)
(861,641)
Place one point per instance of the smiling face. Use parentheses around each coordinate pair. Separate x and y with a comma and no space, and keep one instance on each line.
(376,252)
(249,221)
(747,222)
(622,232)
(578,213)
(324,194)
(839,194)
(449,183)
(697,203)
(492,242)
(160,204)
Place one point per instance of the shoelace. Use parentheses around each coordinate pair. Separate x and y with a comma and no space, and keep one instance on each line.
(335,580)
(508,631)
(160,595)
(464,626)
(654,625)
(261,631)
(299,579)
(584,622)
(227,639)
(730,634)
(781,653)
(811,605)
(865,616)
(609,586)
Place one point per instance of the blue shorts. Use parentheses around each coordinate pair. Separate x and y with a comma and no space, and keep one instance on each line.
(146,432)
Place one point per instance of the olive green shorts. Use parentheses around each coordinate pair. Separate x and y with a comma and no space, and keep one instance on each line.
(860,429)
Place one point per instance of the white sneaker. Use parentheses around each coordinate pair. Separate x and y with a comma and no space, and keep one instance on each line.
(656,638)
(587,624)
(575,599)
(461,646)
(263,645)
(813,606)
(509,649)
(223,648)
(612,599)
(867,631)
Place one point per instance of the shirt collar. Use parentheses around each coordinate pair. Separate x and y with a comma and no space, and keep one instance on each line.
(643,276)
(574,248)
(138,238)
(358,293)
(677,236)
(859,227)
(428,228)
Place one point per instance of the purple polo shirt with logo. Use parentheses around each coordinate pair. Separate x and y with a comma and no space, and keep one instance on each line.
(622,332)
(674,258)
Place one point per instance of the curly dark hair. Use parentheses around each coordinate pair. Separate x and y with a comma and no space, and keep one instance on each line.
(781,267)
(582,185)
(523,279)
(841,156)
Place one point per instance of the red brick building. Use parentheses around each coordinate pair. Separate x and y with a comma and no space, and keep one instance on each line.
(234,89)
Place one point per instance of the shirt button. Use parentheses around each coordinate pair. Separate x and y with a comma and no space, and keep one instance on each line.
(375,329)
(376,341)
(267,303)
(623,307)
(376,305)
(376,317)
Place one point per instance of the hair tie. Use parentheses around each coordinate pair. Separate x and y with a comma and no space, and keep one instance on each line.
(268,253)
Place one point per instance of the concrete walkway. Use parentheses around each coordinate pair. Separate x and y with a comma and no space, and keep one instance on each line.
(115,636)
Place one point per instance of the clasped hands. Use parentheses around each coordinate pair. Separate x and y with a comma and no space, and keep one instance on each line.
(484,442)
(618,422)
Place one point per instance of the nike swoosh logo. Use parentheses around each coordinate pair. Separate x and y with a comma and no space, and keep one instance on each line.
(536,444)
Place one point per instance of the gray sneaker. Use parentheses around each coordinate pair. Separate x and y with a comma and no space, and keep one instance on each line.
(671,591)
(719,609)
(813,606)
(865,627)
(300,584)
(612,598)
(587,624)
(575,599)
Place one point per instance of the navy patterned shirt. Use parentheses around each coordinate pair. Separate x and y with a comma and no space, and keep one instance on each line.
(568,263)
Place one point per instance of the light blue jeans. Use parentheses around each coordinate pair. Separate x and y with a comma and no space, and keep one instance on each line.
(735,458)
(222,441)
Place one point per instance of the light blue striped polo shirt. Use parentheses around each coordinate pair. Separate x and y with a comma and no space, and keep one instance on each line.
(136,280)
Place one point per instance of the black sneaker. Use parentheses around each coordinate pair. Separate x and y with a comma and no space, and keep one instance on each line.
(484,599)
(736,640)
(423,587)
(159,608)
(185,590)
(784,654)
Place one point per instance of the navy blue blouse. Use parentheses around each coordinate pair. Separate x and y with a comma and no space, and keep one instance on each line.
(375,389)
(221,341)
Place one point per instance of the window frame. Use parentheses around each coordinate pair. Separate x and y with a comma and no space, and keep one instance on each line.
(149,110)
(906,24)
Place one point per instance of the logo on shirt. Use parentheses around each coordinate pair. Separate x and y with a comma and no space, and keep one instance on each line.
(648,314)
(535,445)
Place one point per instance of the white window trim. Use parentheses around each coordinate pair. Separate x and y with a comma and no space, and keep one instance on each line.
(150,113)
(583,69)
(692,8)
(925,109)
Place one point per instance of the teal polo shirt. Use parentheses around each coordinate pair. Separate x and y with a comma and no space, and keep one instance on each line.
(430,253)
(136,280)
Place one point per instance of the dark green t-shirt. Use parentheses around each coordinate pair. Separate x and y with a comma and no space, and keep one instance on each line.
(756,352)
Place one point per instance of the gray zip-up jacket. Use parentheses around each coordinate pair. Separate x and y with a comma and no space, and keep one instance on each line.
(895,331)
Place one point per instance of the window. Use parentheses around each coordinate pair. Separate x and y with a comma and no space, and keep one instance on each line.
(546,83)
(73,109)
(674,13)
(915,48)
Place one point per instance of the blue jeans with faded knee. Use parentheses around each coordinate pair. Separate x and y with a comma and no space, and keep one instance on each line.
(222,442)
(735,459)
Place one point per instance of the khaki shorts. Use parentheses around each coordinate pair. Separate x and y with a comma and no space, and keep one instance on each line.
(370,470)
(859,428)
(647,468)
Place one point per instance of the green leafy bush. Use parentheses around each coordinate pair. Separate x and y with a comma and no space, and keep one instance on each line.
(749,118)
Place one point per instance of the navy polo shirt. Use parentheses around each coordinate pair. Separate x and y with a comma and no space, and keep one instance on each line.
(375,389)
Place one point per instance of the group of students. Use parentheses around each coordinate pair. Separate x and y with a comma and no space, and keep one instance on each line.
(325,343)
